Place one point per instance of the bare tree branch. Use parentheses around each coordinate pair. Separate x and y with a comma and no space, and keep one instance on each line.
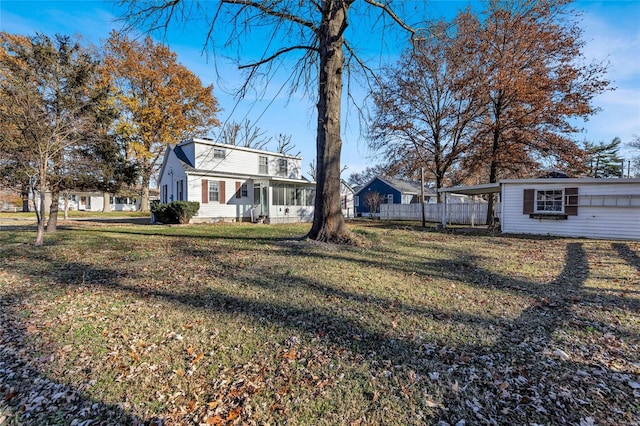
(275,55)
(272,12)
(386,9)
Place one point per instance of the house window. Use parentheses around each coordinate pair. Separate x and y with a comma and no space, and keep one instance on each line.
(310,195)
(356,201)
(549,201)
(389,198)
(263,165)
(219,153)
(287,195)
(243,191)
(165,194)
(214,191)
(282,166)
(180,190)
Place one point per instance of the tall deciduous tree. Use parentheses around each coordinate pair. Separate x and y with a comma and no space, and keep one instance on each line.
(315,30)
(46,95)
(424,108)
(360,178)
(162,101)
(243,134)
(528,56)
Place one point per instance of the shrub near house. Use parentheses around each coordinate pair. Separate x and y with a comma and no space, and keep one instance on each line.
(175,212)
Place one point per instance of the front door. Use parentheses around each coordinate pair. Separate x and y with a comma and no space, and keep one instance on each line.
(256,198)
(264,201)
(261,199)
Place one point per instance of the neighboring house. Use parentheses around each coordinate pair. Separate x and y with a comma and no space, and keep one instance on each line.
(93,201)
(347,194)
(234,183)
(389,191)
(570,207)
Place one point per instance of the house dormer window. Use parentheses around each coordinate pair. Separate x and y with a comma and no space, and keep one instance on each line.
(219,153)
(263,165)
(282,167)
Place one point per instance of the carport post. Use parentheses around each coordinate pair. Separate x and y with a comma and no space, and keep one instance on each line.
(444,210)
(473,211)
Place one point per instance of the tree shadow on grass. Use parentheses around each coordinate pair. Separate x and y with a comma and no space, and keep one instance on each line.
(517,379)
(29,397)
(630,256)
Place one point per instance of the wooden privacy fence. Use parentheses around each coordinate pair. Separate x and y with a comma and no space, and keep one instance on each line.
(457,213)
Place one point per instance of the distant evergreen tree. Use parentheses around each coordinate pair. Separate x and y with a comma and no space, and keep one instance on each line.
(603,159)
(635,160)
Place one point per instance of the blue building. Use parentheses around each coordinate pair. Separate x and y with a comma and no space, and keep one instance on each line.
(385,190)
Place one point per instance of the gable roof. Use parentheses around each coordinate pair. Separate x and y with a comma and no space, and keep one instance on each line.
(404,186)
(345,185)
(177,149)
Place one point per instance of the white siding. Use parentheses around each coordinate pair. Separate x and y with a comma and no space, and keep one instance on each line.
(241,161)
(591,222)
(172,173)
(229,208)
(239,166)
(278,214)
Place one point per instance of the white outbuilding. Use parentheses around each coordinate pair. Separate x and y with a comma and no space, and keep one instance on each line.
(569,207)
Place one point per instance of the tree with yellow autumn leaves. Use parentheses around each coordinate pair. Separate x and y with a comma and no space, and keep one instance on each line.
(161,101)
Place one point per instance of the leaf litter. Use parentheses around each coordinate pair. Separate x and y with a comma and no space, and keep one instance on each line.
(415,328)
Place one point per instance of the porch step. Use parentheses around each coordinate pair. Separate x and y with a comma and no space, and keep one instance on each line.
(261,219)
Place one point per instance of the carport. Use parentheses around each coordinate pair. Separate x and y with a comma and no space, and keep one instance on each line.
(473,191)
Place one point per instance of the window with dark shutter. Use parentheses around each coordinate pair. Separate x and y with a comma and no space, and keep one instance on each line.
(571,201)
(205,191)
(528,205)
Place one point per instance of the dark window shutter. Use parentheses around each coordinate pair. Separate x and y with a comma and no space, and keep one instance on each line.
(205,191)
(528,206)
(571,201)
(238,190)
(223,200)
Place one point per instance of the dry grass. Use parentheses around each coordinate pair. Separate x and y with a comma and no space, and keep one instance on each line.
(241,324)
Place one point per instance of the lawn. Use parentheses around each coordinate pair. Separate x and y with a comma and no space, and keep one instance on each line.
(249,324)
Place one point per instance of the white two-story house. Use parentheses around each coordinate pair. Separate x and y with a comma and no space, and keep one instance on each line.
(234,183)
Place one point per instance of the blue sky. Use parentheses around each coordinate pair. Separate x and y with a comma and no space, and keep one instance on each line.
(611,31)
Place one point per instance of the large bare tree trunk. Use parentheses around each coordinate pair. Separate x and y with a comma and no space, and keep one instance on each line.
(144,202)
(328,221)
(52,223)
(66,205)
(43,191)
(24,193)
(106,206)
(493,176)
